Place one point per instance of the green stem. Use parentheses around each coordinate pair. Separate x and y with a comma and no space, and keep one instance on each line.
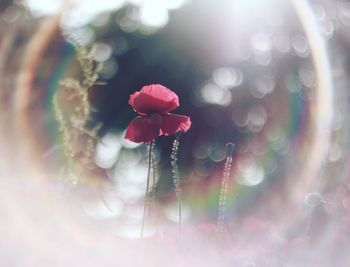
(224,187)
(176,177)
(147,188)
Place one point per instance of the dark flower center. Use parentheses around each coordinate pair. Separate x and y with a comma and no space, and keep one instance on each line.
(155,119)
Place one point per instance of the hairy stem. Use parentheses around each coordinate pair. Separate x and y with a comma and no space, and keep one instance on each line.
(224,187)
(146,203)
(176,178)
(154,174)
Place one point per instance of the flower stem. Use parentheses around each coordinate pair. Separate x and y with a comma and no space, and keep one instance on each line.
(176,177)
(154,174)
(146,203)
(224,187)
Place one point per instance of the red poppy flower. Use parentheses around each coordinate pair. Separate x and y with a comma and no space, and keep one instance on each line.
(153,103)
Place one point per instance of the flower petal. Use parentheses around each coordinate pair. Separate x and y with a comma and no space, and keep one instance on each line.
(172,123)
(142,130)
(154,98)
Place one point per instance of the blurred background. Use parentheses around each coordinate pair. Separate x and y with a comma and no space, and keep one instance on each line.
(269,76)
